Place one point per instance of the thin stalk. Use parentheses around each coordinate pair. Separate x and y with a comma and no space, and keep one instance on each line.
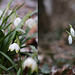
(29,72)
(20,62)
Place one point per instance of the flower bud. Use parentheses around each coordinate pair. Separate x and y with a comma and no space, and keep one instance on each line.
(15,47)
(70,39)
(30,23)
(17,21)
(72,32)
(30,63)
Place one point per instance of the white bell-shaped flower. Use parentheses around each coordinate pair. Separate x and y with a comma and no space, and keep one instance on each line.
(15,47)
(1,12)
(30,63)
(72,31)
(17,21)
(70,39)
(30,23)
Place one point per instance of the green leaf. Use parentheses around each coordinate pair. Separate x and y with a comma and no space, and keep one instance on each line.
(33,48)
(18,29)
(4,68)
(36,11)
(45,69)
(6,56)
(1,34)
(20,6)
(7,25)
(10,67)
(26,53)
(6,36)
(19,71)
(28,39)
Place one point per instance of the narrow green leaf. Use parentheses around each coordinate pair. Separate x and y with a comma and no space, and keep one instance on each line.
(4,68)
(36,11)
(19,71)
(20,6)
(18,29)
(7,26)
(34,49)
(6,56)
(28,38)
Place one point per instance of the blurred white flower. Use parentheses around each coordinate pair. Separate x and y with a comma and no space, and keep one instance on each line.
(70,39)
(15,47)
(72,31)
(1,12)
(17,21)
(37,39)
(53,70)
(30,23)
(30,63)
(73,70)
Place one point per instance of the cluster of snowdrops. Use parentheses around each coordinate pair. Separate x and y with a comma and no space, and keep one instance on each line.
(71,34)
(13,36)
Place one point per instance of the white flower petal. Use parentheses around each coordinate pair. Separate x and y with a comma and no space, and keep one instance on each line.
(30,63)
(15,47)
(30,23)
(70,39)
(72,31)
(17,21)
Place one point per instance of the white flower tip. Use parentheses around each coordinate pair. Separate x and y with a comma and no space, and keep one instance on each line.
(30,23)
(17,21)
(70,39)
(17,51)
(72,32)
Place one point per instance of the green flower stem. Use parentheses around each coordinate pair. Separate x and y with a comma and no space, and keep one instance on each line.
(68,32)
(20,62)
(29,72)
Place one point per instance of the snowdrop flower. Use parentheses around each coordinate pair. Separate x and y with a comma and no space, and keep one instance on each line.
(70,39)
(1,12)
(17,21)
(72,31)
(30,63)
(15,47)
(30,23)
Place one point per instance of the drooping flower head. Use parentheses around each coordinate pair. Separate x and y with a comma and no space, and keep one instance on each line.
(30,63)
(30,23)
(17,21)
(72,31)
(70,39)
(15,47)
